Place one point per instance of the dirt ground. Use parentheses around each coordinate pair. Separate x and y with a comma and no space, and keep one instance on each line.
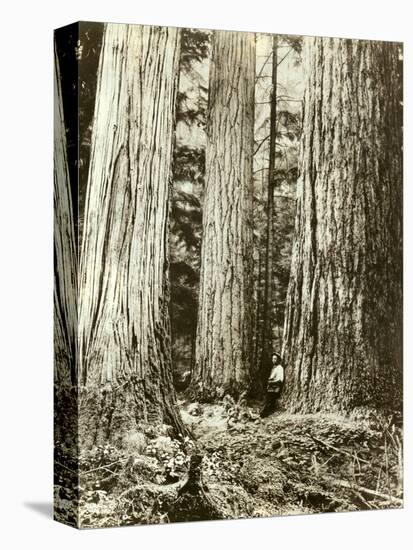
(239,465)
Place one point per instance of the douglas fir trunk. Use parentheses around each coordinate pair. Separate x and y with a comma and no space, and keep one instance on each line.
(342,337)
(223,342)
(124,331)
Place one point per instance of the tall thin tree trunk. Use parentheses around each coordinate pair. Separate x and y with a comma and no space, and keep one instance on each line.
(224,332)
(267,324)
(257,313)
(124,329)
(343,329)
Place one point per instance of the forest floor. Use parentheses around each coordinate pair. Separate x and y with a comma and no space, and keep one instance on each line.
(242,466)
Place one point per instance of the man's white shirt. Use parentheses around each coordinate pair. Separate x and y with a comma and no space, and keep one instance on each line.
(277,374)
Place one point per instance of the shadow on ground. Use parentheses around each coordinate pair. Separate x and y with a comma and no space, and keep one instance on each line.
(43,508)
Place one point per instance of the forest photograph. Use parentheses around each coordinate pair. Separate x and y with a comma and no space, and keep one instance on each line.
(228,263)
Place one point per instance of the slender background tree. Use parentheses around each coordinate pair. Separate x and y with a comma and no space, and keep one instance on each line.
(277,132)
(267,335)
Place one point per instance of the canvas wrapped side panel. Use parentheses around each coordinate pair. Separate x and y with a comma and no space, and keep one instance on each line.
(66,451)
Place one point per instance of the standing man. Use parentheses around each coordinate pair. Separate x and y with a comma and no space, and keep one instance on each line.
(274,386)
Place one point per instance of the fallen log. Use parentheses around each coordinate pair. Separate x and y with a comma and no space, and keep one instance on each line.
(358,488)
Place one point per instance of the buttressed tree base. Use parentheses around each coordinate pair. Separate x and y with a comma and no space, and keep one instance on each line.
(228,275)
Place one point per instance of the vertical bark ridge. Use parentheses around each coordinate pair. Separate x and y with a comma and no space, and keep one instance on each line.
(124,330)
(224,331)
(65,255)
(65,309)
(342,336)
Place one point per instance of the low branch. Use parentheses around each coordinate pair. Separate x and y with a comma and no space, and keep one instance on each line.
(264,64)
(261,142)
(282,59)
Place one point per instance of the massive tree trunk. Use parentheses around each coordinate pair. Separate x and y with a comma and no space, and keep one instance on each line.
(65,251)
(224,331)
(343,330)
(124,330)
(65,314)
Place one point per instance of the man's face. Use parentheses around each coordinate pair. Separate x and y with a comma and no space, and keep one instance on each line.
(274,359)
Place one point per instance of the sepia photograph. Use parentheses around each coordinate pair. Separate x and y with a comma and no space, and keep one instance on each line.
(228,274)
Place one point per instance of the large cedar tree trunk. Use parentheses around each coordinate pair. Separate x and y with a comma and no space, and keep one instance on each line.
(65,284)
(343,330)
(65,316)
(65,253)
(124,329)
(224,330)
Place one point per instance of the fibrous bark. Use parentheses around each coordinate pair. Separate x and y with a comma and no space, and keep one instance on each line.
(65,318)
(124,330)
(223,342)
(343,329)
(65,255)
